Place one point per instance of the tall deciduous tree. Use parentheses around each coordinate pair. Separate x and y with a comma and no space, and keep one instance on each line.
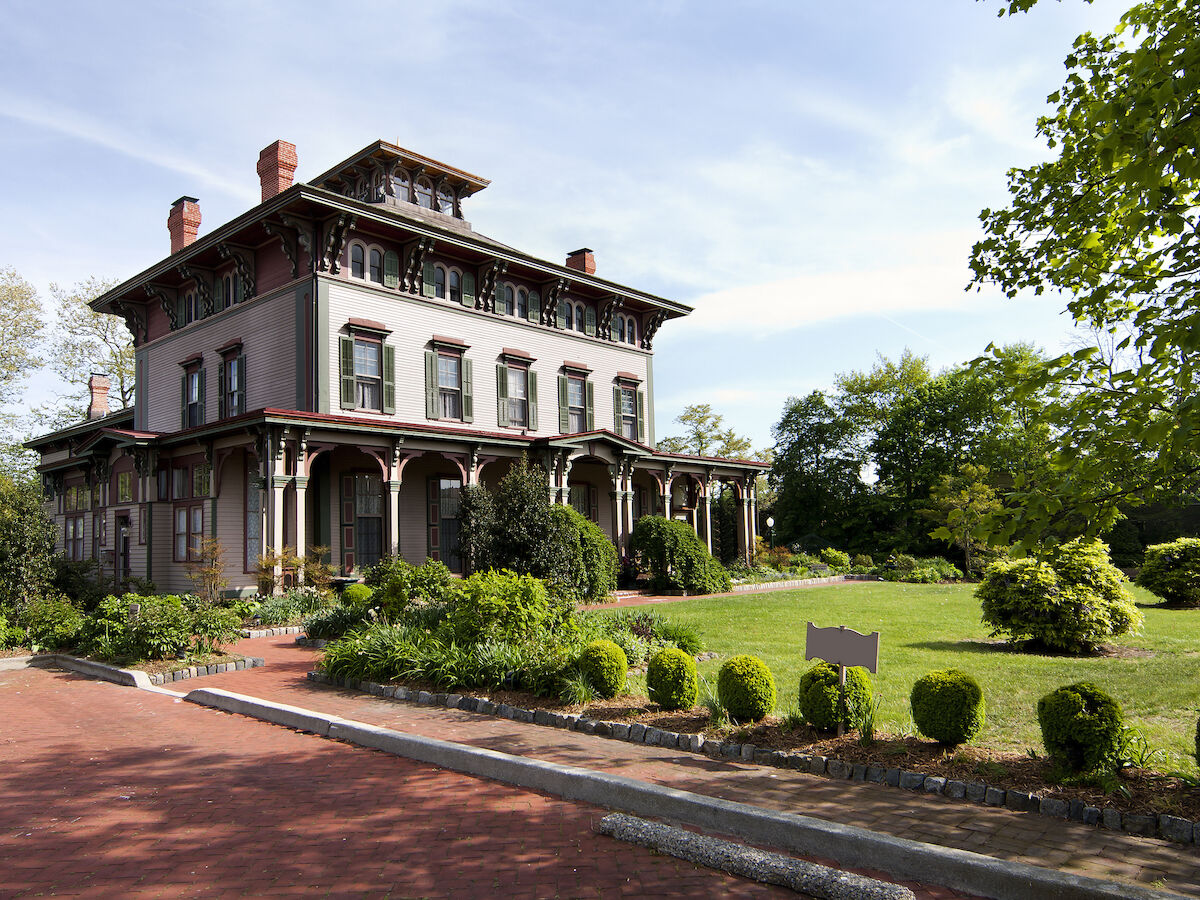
(1113,223)
(21,328)
(704,435)
(85,341)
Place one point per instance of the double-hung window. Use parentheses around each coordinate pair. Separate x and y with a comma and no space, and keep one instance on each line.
(189,531)
(629,413)
(518,396)
(516,391)
(368,373)
(377,266)
(368,364)
(449,382)
(576,399)
(629,408)
(192,394)
(232,381)
(576,410)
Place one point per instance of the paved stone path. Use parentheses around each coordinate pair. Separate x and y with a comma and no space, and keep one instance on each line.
(114,792)
(1001,833)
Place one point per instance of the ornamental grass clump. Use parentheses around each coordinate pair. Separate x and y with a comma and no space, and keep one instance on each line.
(605,666)
(947,706)
(819,699)
(1081,727)
(671,679)
(746,688)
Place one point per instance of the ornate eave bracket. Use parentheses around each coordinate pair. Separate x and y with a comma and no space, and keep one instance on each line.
(203,279)
(135,320)
(607,311)
(168,299)
(335,242)
(551,294)
(651,328)
(417,252)
(243,262)
(490,274)
(304,238)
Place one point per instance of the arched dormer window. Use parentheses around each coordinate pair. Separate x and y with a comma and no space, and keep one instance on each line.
(358,261)
(631,332)
(439,282)
(621,329)
(376,266)
(425,193)
(402,186)
(445,200)
(508,300)
(522,304)
(569,317)
(579,323)
(455,286)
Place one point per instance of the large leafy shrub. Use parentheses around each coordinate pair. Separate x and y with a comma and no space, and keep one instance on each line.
(746,688)
(835,559)
(357,596)
(11,635)
(1071,601)
(589,559)
(947,706)
(1081,727)
(26,543)
(335,621)
(1172,571)
(819,699)
(51,622)
(671,679)
(135,628)
(499,605)
(605,667)
(676,558)
(290,607)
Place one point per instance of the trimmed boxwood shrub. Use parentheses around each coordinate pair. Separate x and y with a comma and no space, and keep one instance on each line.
(746,688)
(605,666)
(818,699)
(676,558)
(947,706)
(1081,726)
(671,679)
(1172,571)
(357,595)
(1071,601)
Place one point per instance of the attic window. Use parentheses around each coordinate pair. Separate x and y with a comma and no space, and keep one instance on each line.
(445,200)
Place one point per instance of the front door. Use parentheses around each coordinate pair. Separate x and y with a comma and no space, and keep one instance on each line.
(444,494)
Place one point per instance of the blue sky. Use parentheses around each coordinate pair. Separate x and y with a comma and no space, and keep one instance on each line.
(807,176)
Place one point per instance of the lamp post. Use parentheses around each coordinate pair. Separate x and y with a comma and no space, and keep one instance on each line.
(770,533)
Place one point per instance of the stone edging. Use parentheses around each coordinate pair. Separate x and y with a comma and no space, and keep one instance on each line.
(129,677)
(272,632)
(250,662)
(1172,828)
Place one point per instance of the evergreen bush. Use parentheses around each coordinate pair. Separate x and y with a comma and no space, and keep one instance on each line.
(357,596)
(676,558)
(819,698)
(1071,601)
(605,666)
(1081,727)
(671,679)
(1172,571)
(835,559)
(746,688)
(947,706)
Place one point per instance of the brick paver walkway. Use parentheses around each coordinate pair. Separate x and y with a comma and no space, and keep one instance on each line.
(1001,833)
(114,792)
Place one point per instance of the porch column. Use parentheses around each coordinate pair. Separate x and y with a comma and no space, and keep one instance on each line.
(708,515)
(627,511)
(666,498)
(616,499)
(393,516)
(277,481)
(301,516)
(743,529)
(565,494)
(753,514)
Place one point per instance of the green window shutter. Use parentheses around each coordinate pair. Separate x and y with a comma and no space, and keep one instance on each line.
(431,385)
(589,321)
(391,269)
(346,347)
(218,294)
(221,386)
(241,385)
(468,290)
(498,299)
(561,314)
(347,517)
(590,394)
(183,401)
(203,380)
(641,417)
(427,280)
(617,410)
(535,307)
(564,417)
(501,395)
(468,391)
(389,379)
(533,422)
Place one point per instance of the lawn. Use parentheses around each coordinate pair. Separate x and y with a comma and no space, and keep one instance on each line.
(924,627)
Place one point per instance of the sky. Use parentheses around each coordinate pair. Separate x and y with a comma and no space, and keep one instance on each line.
(808,177)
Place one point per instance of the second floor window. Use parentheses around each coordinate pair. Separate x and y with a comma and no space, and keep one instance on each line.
(233,385)
(368,373)
(449,380)
(576,408)
(358,261)
(516,396)
(193,396)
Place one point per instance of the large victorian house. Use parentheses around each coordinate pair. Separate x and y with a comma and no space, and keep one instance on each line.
(330,368)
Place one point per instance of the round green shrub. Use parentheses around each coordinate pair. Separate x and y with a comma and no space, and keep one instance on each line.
(746,688)
(1081,726)
(835,559)
(357,596)
(671,679)
(1071,601)
(947,706)
(1172,571)
(818,700)
(605,667)
(862,561)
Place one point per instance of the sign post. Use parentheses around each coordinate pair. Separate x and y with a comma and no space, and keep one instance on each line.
(845,647)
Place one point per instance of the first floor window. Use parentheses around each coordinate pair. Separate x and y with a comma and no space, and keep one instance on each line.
(200,477)
(189,531)
(445,497)
(581,497)
(99,534)
(253,514)
(124,487)
(449,367)
(180,485)
(368,513)
(73,538)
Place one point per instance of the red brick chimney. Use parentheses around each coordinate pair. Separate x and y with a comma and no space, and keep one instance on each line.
(184,222)
(582,260)
(98,385)
(276,166)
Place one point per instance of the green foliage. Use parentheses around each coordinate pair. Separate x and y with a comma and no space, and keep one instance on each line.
(51,621)
(704,436)
(1071,601)
(962,505)
(819,699)
(576,689)
(499,605)
(136,628)
(589,570)
(683,636)
(1196,755)
(676,558)
(1110,223)
(1172,571)
(746,688)
(910,570)
(948,706)
(835,559)
(335,621)
(671,679)
(1081,727)
(26,541)
(289,608)
(862,561)
(357,596)
(605,667)
(11,635)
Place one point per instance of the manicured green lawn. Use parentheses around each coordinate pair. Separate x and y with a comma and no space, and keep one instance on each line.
(924,627)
